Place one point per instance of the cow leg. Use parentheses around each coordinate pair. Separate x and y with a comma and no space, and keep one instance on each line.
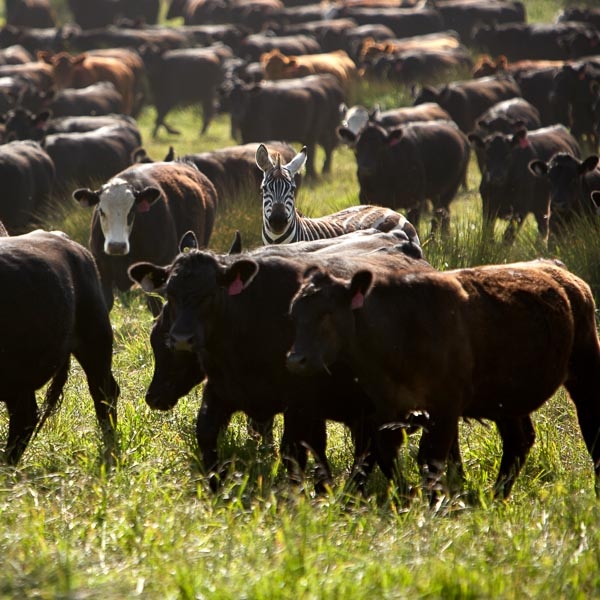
(94,354)
(310,160)
(517,436)
(414,215)
(211,421)
(514,226)
(262,429)
(328,149)
(364,454)
(208,112)
(23,417)
(160,120)
(542,220)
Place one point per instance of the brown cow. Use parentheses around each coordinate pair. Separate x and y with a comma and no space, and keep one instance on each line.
(84,69)
(493,342)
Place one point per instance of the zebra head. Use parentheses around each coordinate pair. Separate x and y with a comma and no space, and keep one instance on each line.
(278,190)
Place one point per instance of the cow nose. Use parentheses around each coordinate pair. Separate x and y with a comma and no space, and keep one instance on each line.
(117,248)
(295,362)
(181,342)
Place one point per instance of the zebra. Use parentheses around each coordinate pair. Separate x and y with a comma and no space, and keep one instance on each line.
(283,224)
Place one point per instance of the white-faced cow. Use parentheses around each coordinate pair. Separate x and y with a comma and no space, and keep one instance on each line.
(141,214)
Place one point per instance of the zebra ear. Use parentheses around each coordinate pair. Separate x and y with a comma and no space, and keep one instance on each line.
(297,162)
(263,160)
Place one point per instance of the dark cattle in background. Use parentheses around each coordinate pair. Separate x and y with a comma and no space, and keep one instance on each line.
(464,17)
(40,337)
(405,166)
(519,41)
(141,214)
(356,117)
(183,77)
(218,321)
(304,110)
(330,33)
(30,13)
(465,101)
(252,13)
(21,124)
(509,190)
(96,99)
(15,55)
(47,38)
(38,75)
(579,13)
(100,13)
(85,158)
(27,175)
(474,329)
(256,44)
(572,182)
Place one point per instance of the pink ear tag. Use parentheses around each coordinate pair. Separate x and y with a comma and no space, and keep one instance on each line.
(358,301)
(394,141)
(523,143)
(236,286)
(143,206)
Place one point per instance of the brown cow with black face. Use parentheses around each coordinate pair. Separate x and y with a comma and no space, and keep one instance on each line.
(492,342)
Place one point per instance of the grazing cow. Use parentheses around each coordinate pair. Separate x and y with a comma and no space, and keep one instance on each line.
(30,13)
(572,182)
(460,343)
(303,109)
(212,324)
(283,224)
(141,213)
(356,117)
(466,100)
(39,337)
(277,65)
(84,158)
(253,46)
(27,175)
(84,69)
(183,77)
(401,167)
(509,190)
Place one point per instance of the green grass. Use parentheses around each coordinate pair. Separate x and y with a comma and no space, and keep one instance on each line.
(152,529)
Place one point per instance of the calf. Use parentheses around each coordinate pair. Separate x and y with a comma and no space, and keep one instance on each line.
(212,324)
(27,174)
(141,213)
(39,337)
(401,168)
(572,182)
(509,190)
(475,352)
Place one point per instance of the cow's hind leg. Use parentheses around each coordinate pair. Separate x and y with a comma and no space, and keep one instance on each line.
(160,120)
(23,418)
(208,113)
(518,436)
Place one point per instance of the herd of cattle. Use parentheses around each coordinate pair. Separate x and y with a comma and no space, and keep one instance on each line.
(339,316)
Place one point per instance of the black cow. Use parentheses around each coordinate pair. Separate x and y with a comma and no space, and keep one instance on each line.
(38,338)
(141,213)
(465,101)
(572,182)
(213,321)
(493,342)
(256,44)
(402,167)
(303,109)
(509,190)
(101,13)
(30,13)
(183,77)
(27,174)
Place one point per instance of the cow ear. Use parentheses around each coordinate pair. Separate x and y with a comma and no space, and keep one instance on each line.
(343,108)
(263,160)
(538,167)
(595,196)
(239,276)
(145,198)
(44,56)
(170,156)
(346,136)
(476,140)
(77,60)
(394,136)
(589,164)
(520,138)
(359,287)
(86,197)
(188,242)
(236,246)
(150,277)
(297,162)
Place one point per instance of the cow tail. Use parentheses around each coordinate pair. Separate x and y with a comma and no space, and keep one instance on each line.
(54,395)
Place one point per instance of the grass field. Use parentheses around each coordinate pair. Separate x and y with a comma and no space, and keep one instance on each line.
(152,529)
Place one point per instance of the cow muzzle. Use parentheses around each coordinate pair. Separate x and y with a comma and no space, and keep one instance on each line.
(181,342)
(116,248)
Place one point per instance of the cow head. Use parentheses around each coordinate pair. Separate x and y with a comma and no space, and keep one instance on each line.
(117,203)
(20,124)
(323,315)
(369,146)
(354,118)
